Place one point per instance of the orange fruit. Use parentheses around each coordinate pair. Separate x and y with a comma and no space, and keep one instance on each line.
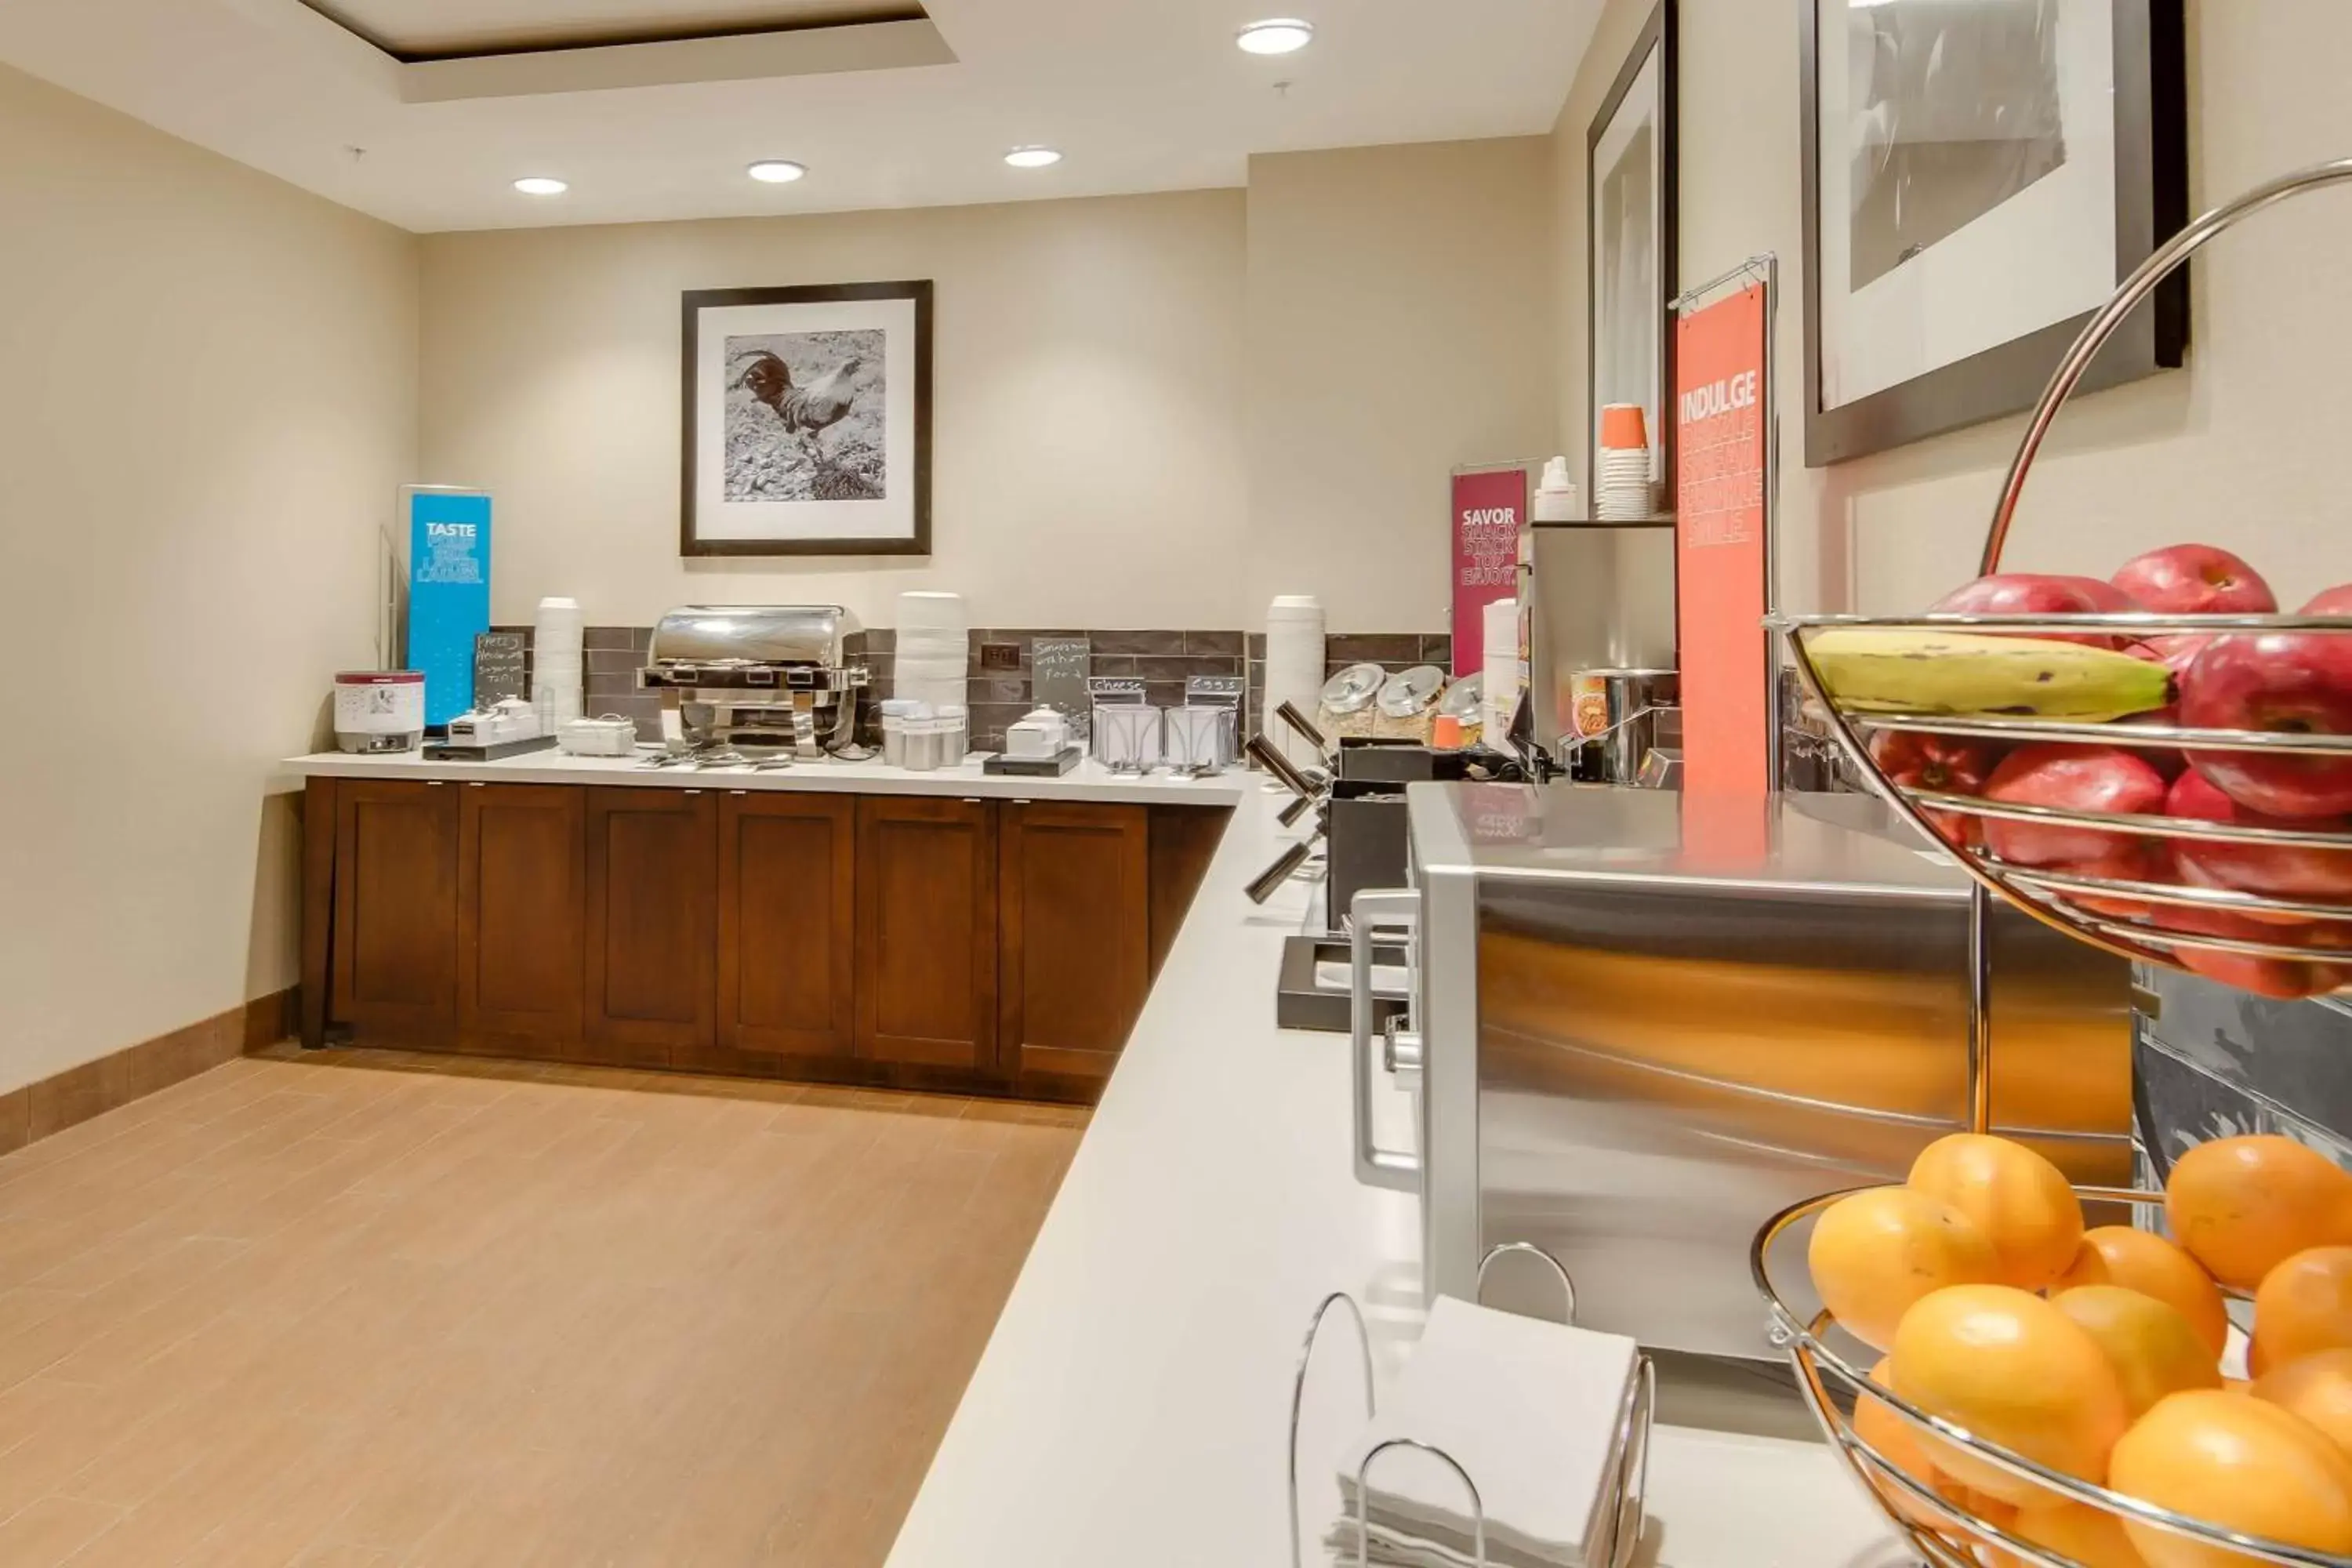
(2243,1205)
(2014,1370)
(2305,1306)
(1875,1252)
(2152,1348)
(1897,1442)
(2144,1261)
(2019,1200)
(2090,1537)
(2319,1389)
(2236,1461)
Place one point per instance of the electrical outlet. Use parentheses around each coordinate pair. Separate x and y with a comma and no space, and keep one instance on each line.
(1000,656)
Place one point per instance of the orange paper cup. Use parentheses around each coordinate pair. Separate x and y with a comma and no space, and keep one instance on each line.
(1621,426)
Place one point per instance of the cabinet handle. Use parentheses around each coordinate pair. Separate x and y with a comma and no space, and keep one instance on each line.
(474,783)
(694,791)
(435,783)
(972,800)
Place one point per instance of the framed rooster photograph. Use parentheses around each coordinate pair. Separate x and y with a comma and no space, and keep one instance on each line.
(807,421)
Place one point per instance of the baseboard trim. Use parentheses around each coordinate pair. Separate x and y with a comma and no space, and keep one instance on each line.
(68,1099)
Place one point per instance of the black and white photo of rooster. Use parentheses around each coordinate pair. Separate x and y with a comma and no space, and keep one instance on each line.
(805,414)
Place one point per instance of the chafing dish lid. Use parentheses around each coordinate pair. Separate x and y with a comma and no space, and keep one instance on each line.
(1352,690)
(753,634)
(1411,692)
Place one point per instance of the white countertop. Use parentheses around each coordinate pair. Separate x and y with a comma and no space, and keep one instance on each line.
(1087,781)
(1133,1405)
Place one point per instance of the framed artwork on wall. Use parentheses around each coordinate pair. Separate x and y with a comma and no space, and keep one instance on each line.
(1631,187)
(807,423)
(1979,176)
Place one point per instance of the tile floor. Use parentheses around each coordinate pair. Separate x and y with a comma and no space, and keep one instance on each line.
(364,1311)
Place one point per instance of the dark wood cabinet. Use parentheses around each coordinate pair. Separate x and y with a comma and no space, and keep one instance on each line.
(652,869)
(926,974)
(967,945)
(1076,937)
(787,925)
(395,901)
(519,917)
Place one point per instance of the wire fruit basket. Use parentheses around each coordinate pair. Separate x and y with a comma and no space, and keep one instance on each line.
(1944,1532)
(2248,898)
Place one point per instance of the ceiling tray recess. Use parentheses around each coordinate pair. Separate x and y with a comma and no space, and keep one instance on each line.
(451,49)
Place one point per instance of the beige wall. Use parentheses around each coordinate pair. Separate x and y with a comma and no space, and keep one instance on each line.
(1400,326)
(2240,447)
(208,405)
(1152,411)
(1088,437)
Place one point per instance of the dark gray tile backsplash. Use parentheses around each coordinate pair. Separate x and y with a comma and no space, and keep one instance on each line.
(1164,660)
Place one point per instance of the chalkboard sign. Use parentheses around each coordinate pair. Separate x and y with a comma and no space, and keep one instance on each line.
(1057,673)
(1120,691)
(498,666)
(1215,690)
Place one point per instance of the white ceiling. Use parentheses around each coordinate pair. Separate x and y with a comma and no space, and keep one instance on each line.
(1143,95)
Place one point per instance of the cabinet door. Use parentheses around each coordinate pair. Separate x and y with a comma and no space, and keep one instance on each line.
(1077,900)
(518,915)
(787,923)
(395,936)
(652,868)
(927,932)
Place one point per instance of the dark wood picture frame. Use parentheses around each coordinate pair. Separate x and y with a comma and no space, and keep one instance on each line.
(1660,33)
(2151,110)
(693,302)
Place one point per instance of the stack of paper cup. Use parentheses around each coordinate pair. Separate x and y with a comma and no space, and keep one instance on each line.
(934,649)
(1621,488)
(555,662)
(1504,672)
(1294,671)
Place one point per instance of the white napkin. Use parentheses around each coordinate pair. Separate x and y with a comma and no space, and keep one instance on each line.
(1531,1409)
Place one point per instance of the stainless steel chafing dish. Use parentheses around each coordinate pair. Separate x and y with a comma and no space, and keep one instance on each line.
(776,675)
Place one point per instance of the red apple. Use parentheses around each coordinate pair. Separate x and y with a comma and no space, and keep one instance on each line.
(2032,594)
(2285,979)
(2335,602)
(2105,596)
(2293,683)
(2175,653)
(2132,861)
(2195,580)
(1942,765)
(2104,779)
(2281,871)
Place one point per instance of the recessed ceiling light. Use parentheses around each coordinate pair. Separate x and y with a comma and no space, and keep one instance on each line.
(541,185)
(1033,157)
(776,170)
(1276,36)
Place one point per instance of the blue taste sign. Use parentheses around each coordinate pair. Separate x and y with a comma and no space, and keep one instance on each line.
(448,593)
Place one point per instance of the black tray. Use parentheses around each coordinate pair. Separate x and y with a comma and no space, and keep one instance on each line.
(1052,767)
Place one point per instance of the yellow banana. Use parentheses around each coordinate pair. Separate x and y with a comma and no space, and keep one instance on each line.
(1881,670)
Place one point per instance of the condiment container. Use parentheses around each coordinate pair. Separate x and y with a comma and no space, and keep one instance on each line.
(605,737)
(1038,736)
